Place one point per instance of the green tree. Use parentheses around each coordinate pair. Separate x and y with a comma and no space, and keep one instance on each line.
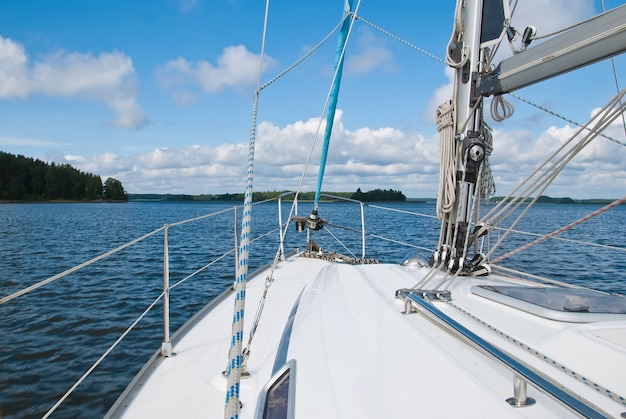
(52,190)
(379,195)
(24,178)
(93,189)
(114,191)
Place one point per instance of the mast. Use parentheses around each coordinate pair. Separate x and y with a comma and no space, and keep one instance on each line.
(477,25)
(465,56)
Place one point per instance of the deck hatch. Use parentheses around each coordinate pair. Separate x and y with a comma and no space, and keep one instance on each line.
(576,305)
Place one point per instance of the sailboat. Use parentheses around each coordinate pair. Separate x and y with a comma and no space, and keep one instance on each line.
(321,334)
(343,337)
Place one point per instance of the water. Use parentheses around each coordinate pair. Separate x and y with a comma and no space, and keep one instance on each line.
(51,336)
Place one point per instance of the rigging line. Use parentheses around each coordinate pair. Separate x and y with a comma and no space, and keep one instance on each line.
(76,268)
(568,27)
(235,354)
(269,280)
(312,148)
(257,318)
(263,37)
(615,74)
(353,230)
(560,230)
(557,167)
(507,25)
(550,361)
(104,355)
(397,38)
(310,153)
(191,275)
(529,278)
(376,236)
(545,184)
(553,171)
(340,242)
(564,118)
(449,149)
(304,57)
(434,57)
(333,91)
(401,211)
(581,242)
(505,203)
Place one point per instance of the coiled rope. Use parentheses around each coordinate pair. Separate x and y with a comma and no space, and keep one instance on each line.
(448,156)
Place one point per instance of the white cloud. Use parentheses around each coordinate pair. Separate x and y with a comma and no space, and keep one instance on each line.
(440,95)
(107,77)
(67,74)
(597,171)
(366,158)
(236,67)
(103,164)
(371,53)
(14,80)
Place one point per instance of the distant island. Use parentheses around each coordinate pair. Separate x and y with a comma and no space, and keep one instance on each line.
(375,195)
(549,200)
(27,179)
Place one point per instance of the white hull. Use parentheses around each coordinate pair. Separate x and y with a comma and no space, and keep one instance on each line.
(357,354)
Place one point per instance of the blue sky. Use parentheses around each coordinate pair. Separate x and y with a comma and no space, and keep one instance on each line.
(158,94)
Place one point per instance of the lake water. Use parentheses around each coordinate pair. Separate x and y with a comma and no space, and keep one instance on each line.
(51,336)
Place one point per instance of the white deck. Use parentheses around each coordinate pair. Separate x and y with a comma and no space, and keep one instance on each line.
(358,355)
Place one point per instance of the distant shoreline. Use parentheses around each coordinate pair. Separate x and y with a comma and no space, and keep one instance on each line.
(204,198)
(60,201)
(207,198)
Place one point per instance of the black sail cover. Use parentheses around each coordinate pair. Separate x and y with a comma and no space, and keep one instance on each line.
(495,13)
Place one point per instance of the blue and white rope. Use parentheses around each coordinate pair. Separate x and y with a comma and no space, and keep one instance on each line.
(235,355)
(235,363)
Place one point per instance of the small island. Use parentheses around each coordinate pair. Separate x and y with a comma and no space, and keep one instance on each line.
(32,180)
(543,199)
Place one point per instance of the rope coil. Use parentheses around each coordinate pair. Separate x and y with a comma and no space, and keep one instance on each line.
(448,152)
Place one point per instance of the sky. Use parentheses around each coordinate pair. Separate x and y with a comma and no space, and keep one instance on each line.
(158,94)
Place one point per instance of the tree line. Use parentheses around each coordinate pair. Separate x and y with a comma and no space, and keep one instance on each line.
(379,195)
(27,179)
(373,195)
